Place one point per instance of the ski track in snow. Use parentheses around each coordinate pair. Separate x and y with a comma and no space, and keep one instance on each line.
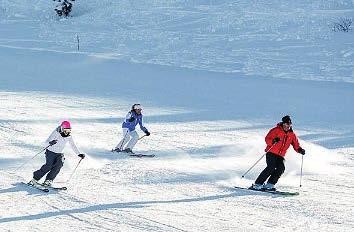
(213,77)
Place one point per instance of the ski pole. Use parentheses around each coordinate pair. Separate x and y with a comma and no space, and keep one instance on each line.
(253,165)
(72,174)
(142,137)
(257,161)
(31,158)
(302,164)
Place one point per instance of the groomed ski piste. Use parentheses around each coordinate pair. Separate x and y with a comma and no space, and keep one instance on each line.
(212,77)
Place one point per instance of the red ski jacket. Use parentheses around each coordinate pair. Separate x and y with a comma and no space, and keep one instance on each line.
(286,138)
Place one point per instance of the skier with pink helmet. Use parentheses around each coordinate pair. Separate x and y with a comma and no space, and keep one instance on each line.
(53,154)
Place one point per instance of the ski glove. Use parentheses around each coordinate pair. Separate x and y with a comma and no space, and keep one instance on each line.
(301,151)
(131,119)
(51,143)
(81,156)
(275,140)
(147,133)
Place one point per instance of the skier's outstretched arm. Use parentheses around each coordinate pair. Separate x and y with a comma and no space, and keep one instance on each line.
(296,145)
(73,146)
(141,124)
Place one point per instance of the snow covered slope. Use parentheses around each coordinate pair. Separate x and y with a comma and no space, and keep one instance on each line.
(283,39)
(213,77)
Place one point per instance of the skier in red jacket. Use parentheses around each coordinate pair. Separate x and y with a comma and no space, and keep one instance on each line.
(278,141)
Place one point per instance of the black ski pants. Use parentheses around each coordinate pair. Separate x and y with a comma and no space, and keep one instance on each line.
(54,162)
(275,168)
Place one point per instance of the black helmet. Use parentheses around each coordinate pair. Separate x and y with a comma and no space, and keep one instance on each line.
(286,119)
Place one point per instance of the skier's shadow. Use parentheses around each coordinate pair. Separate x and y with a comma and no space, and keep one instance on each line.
(15,188)
(124,205)
(20,187)
(111,206)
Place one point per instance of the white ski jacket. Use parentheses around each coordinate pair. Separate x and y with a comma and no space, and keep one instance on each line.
(61,142)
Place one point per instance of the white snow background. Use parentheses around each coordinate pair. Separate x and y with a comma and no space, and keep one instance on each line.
(213,77)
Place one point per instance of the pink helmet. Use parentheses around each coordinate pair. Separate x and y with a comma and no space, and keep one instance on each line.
(65,125)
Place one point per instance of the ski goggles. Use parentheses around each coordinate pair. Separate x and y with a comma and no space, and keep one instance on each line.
(67,131)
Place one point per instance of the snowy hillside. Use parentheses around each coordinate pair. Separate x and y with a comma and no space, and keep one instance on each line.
(213,77)
(283,39)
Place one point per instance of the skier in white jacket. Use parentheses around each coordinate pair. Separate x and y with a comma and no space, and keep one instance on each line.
(54,156)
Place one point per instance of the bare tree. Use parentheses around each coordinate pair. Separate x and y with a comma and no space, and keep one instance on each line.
(343,24)
(64,8)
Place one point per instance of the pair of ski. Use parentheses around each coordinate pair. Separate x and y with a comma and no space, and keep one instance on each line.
(275,192)
(135,154)
(45,188)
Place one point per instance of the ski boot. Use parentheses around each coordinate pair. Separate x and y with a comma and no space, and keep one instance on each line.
(47,183)
(269,187)
(128,150)
(116,150)
(33,182)
(258,187)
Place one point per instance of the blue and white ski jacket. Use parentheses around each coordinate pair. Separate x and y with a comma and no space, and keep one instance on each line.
(138,118)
